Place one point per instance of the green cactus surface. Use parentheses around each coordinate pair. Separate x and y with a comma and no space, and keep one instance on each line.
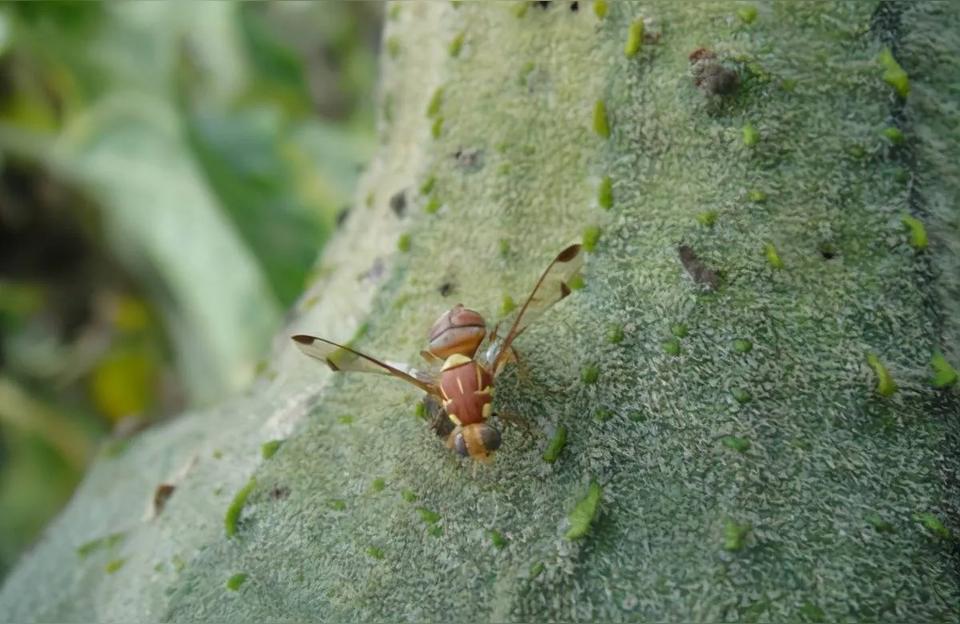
(770,483)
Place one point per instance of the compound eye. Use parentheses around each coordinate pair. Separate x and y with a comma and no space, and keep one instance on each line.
(460,444)
(491,438)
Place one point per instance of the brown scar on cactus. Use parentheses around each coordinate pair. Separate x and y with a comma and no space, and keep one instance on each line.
(710,75)
(697,270)
(161,494)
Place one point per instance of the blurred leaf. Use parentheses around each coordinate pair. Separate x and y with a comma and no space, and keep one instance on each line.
(123,383)
(240,155)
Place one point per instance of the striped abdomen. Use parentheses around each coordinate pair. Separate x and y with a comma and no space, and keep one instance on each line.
(467,390)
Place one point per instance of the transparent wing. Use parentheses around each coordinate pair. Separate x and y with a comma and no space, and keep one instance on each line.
(552,286)
(341,358)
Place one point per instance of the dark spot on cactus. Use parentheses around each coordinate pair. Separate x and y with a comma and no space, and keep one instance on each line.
(342,216)
(279,492)
(700,273)
(469,159)
(446,289)
(574,6)
(543,4)
(375,272)
(398,203)
(710,75)
(827,250)
(161,495)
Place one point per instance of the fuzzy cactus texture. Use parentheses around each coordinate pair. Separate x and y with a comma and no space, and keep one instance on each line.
(812,476)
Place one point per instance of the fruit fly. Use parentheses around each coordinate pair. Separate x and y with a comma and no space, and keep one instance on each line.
(464,384)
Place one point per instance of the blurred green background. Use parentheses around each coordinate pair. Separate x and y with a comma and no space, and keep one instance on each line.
(168,174)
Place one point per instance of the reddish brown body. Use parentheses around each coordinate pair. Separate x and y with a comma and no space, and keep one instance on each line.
(467,389)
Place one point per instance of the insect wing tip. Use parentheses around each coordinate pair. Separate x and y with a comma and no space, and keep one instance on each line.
(569,253)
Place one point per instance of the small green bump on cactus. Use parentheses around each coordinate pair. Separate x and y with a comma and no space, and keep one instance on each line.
(217,454)
(944,375)
(741,445)
(394,11)
(393,47)
(378,484)
(742,345)
(812,612)
(857,151)
(111,449)
(375,552)
(497,539)
(346,419)
(409,496)
(751,136)
(428,516)
(557,442)
(605,193)
(634,39)
(893,74)
(671,346)
(747,14)
(679,330)
(535,570)
(232,517)
(602,415)
(615,333)
(520,8)
(420,411)
(879,524)
(113,565)
(591,235)
(403,243)
(757,196)
(525,72)
(427,187)
(600,8)
(584,512)
(741,395)
(433,206)
(885,384)
(433,108)
(894,135)
(106,542)
(707,218)
(773,258)
(507,305)
(456,45)
(437,127)
(918,233)
(600,124)
(435,530)
(638,416)
(577,282)
(734,534)
(337,504)
(503,246)
(369,200)
(235,581)
(901,175)
(590,374)
(933,524)
(267,449)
